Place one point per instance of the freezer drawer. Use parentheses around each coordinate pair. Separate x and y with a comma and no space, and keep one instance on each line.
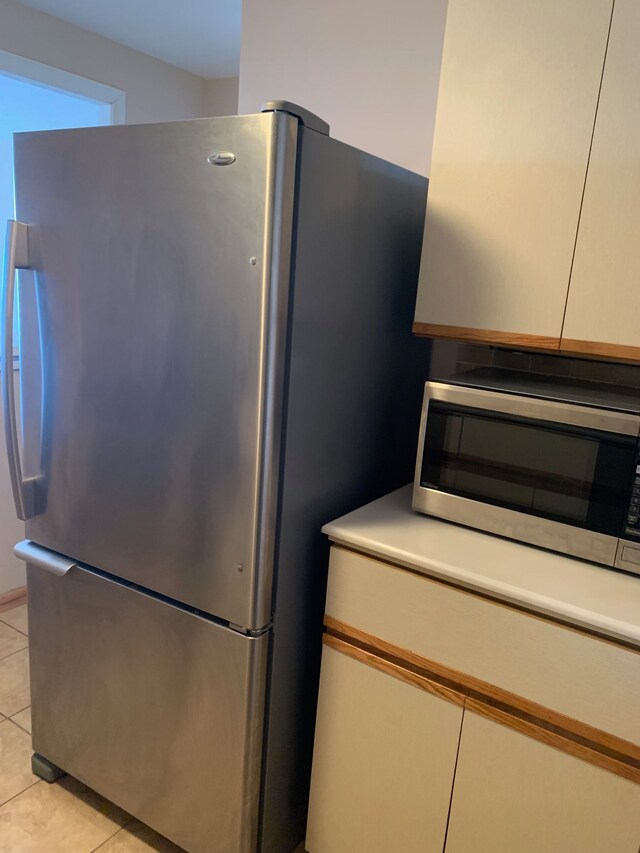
(154,707)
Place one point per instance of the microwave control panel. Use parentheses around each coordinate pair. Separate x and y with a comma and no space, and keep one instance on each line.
(632,525)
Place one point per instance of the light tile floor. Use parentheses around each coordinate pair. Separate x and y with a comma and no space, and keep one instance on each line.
(35,817)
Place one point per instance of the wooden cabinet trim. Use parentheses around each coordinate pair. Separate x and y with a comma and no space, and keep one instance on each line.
(403,673)
(515,340)
(623,766)
(580,739)
(13,598)
(486,336)
(619,352)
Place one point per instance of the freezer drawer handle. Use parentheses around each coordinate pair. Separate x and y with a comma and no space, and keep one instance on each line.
(41,557)
(15,257)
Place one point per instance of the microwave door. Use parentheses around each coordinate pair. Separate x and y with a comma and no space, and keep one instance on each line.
(562,486)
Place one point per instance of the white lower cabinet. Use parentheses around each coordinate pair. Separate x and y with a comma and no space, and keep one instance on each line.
(383,765)
(513,793)
(450,723)
(385,774)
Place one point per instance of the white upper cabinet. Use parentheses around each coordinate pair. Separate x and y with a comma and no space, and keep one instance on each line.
(603,311)
(516,108)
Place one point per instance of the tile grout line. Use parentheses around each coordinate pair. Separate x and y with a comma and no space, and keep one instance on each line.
(13,628)
(17,630)
(28,788)
(9,719)
(17,652)
(9,625)
(4,657)
(102,843)
(17,725)
(19,711)
(41,781)
(3,619)
(36,781)
(9,606)
(127,823)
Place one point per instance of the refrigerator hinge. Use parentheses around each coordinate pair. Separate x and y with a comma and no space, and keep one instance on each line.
(249,632)
(305,117)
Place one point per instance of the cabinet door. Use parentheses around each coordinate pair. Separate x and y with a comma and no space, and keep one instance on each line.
(513,793)
(383,763)
(603,312)
(516,107)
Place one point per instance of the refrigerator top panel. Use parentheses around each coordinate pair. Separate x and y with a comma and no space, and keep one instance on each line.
(153,319)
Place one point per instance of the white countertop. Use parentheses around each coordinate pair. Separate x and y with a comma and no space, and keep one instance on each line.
(581,593)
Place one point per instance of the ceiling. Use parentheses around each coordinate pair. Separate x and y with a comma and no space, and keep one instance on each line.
(201,36)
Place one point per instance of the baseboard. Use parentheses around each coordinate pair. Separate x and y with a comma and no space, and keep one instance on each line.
(13,598)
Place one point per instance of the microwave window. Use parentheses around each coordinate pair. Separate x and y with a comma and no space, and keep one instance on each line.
(572,475)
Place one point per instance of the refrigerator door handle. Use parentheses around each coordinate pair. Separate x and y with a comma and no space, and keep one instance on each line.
(15,257)
(42,558)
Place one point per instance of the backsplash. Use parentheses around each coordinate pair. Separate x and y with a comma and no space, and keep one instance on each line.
(449,357)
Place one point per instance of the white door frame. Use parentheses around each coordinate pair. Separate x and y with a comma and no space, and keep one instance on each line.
(12,572)
(65,81)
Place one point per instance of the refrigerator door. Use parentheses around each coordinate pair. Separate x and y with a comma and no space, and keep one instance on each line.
(156,708)
(153,326)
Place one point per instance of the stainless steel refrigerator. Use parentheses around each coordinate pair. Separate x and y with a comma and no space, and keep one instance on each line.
(216,359)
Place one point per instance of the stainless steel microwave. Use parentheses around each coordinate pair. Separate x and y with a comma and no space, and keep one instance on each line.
(527,458)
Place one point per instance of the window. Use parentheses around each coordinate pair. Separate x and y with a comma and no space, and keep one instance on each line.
(25,106)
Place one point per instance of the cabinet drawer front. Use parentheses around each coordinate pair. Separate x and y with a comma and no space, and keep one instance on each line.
(383,762)
(155,708)
(516,794)
(587,679)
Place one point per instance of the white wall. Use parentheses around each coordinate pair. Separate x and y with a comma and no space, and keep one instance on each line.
(370,69)
(220,97)
(155,91)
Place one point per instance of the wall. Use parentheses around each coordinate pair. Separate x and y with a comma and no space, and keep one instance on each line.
(220,97)
(155,91)
(566,368)
(370,69)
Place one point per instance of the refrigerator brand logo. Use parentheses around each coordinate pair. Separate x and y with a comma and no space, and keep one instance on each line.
(222,158)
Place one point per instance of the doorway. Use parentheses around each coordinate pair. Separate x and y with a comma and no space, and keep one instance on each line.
(27,105)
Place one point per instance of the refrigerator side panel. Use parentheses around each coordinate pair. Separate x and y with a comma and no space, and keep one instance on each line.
(151,355)
(277,253)
(354,387)
(155,708)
